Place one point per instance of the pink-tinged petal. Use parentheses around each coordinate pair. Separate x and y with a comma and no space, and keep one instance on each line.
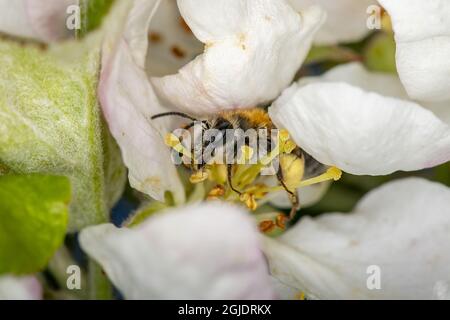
(346,19)
(128,102)
(209,251)
(422,34)
(358,129)
(253,48)
(20,288)
(399,231)
(43,20)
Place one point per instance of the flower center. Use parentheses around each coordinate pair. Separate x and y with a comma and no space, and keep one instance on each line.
(249,182)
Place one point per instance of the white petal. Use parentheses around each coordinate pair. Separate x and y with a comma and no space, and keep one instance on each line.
(128,101)
(43,20)
(284,291)
(422,34)
(383,83)
(346,19)
(440,109)
(20,288)
(198,252)
(402,227)
(172,44)
(441,290)
(253,50)
(361,132)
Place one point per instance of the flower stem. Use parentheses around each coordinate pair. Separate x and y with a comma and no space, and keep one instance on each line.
(99,286)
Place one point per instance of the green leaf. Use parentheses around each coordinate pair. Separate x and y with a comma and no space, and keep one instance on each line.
(92,14)
(379,54)
(51,123)
(33,215)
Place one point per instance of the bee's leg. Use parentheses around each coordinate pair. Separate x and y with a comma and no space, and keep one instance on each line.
(293,196)
(229,177)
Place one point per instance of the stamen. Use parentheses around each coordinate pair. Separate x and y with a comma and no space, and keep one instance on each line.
(266,226)
(284,135)
(270,156)
(198,176)
(289,146)
(332,173)
(249,200)
(281,220)
(217,191)
(172,141)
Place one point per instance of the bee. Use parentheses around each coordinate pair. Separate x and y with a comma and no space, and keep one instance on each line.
(292,168)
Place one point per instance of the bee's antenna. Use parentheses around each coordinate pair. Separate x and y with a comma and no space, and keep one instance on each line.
(180,114)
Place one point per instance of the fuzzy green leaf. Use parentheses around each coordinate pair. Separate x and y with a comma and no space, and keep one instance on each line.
(50,123)
(33,220)
(92,14)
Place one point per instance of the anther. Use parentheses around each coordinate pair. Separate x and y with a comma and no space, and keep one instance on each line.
(198,176)
(332,173)
(217,191)
(249,200)
(266,226)
(172,141)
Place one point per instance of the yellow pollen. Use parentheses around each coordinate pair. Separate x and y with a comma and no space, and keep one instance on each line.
(284,135)
(266,226)
(198,176)
(172,141)
(217,191)
(332,173)
(289,146)
(249,200)
(281,221)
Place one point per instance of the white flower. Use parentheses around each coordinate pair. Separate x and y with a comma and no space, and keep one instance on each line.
(360,122)
(212,251)
(361,132)
(346,19)
(20,288)
(127,97)
(43,20)
(422,34)
(363,123)
(400,227)
(198,252)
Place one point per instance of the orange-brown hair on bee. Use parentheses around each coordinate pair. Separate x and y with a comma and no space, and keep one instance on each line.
(254,118)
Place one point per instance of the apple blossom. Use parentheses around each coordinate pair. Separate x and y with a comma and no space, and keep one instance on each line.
(360,139)
(361,122)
